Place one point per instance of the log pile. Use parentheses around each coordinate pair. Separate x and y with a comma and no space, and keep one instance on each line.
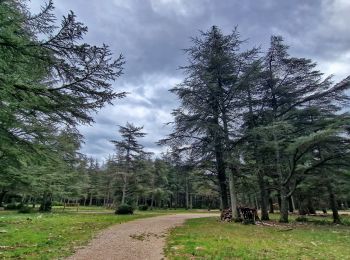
(245,214)
(226,215)
(249,215)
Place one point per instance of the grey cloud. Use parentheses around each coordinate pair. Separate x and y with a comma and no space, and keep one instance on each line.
(152,33)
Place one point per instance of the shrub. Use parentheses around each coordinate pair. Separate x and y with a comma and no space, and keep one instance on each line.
(301,219)
(25,210)
(57,203)
(46,206)
(124,209)
(143,207)
(13,206)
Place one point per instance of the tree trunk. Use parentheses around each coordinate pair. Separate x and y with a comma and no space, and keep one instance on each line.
(264,198)
(90,202)
(124,189)
(346,205)
(310,206)
(283,186)
(222,178)
(46,202)
(152,200)
(284,205)
(333,204)
(187,193)
(2,196)
(292,201)
(220,157)
(279,200)
(290,204)
(271,206)
(233,194)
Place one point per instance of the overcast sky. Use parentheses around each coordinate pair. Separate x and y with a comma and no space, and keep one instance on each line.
(152,33)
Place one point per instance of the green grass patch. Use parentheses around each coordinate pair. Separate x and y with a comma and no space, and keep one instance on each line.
(57,234)
(48,236)
(207,238)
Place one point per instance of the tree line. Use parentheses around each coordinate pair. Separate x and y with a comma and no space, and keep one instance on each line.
(51,82)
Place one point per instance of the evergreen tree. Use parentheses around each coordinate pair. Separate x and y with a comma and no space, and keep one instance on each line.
(47,76)
(208,96)
(129,152)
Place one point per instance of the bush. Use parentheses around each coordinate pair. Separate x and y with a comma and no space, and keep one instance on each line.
(124,209)
(46,206)
(143,207)
(57,203)
(13,206)
(301,219)
(25,210)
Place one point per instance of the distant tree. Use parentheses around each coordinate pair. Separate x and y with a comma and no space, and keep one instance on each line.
(129,152)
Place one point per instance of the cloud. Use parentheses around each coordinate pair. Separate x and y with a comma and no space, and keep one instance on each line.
(152,33)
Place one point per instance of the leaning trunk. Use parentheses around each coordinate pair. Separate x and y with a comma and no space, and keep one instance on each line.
(290,204)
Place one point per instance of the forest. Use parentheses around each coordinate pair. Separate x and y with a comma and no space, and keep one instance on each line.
(254,127)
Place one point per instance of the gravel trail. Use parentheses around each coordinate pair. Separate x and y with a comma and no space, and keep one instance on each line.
(142,239)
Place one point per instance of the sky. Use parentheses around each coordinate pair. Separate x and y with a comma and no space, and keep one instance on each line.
(152,34)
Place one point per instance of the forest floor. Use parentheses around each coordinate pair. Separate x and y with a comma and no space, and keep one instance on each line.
(206,238)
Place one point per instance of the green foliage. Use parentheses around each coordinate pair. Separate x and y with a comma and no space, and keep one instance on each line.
(45,206)
(26,209)
(143,207)
(13,206)
(57,203)
(124,209)
(301,219)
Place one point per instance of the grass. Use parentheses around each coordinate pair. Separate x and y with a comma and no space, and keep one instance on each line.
(207,238)
(57,234)
(47,236)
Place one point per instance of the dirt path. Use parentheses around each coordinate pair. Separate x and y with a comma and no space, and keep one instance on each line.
(142,239)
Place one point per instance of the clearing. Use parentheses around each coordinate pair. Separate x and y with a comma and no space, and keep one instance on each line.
(139,239)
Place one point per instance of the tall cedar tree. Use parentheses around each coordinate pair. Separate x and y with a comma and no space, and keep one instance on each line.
(48,76)
(290,87)
(208,97)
